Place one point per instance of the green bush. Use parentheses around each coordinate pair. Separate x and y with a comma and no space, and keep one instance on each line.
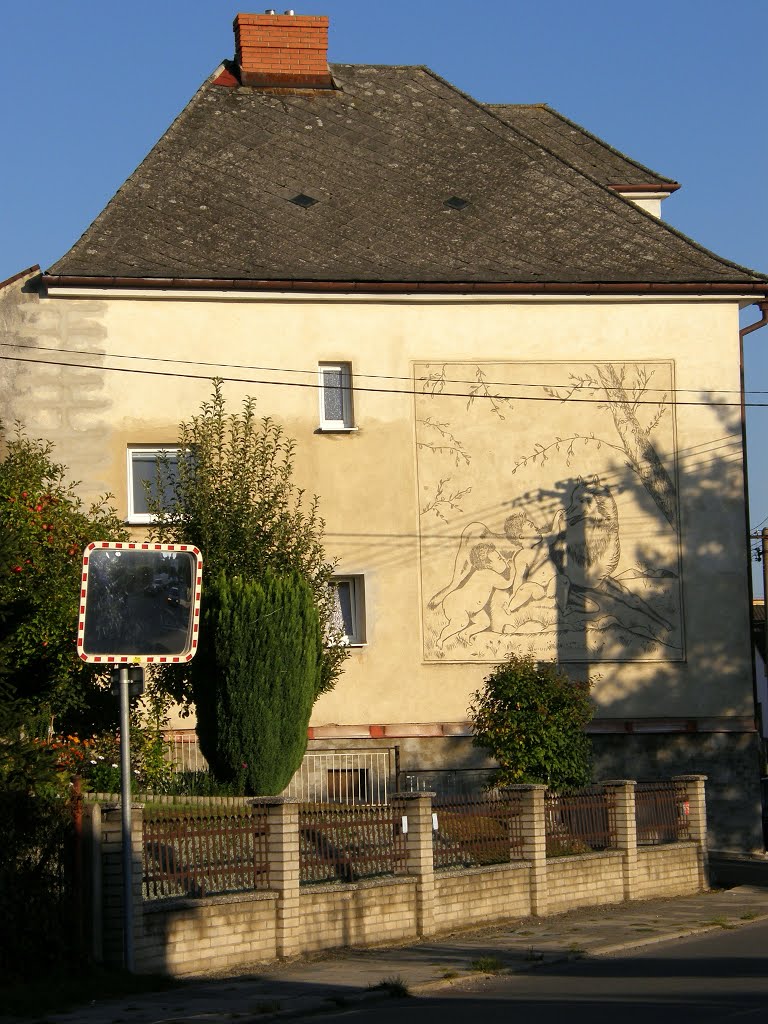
(531,717)
(45,527)
(255,679)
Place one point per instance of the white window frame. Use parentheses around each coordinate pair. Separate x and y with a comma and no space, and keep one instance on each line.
(347,422)
(145,451)
(357,606)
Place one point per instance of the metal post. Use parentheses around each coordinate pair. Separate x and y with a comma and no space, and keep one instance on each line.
(125,797)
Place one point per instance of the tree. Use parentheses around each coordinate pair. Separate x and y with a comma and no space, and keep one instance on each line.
(45,527)
(231,493)
(256,679)
(530,717)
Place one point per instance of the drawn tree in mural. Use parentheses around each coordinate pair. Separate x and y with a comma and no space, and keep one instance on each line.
(624,389)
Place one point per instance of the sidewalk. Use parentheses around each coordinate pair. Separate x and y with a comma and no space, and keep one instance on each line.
(321,983)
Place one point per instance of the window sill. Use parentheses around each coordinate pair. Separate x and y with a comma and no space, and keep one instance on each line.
(336,430)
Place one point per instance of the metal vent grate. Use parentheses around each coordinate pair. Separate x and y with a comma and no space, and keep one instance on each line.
(456,203)
(304,201)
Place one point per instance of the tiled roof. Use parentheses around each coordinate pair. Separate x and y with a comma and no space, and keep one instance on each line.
(381,154)
(578,147)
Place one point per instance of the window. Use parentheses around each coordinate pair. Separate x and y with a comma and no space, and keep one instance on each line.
(350,608)
(336,396)
(142,469)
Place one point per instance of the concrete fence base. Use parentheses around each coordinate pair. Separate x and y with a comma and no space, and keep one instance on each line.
(185,936)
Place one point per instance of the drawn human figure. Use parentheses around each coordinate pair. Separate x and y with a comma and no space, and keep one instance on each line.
(465,606)
(462,566)
(535,575)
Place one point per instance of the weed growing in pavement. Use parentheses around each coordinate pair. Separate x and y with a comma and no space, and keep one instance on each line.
(720,922)
(395,986)
(487,965)
(750,916)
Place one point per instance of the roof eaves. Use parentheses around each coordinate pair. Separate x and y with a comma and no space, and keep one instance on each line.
(704,288)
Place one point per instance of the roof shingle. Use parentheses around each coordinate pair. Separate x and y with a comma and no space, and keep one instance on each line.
(381,154)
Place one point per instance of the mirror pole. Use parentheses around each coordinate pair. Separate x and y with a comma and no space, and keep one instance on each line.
(125,799)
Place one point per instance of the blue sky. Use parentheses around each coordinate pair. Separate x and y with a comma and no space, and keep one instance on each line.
(682,87)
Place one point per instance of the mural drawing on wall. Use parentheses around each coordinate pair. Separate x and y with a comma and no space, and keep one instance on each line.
(548,511)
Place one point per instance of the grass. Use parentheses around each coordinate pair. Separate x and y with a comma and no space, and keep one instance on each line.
(720,922)
(395,986)
(68,988)
(749,916)
(487,965)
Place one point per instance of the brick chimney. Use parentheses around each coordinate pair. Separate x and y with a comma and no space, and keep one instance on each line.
(283,50)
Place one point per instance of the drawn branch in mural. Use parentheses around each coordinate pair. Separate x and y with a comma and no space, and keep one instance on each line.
(434,383)
(480,389)
(578,383)
(445,500)
(445,443)
(623,401)
(567,445)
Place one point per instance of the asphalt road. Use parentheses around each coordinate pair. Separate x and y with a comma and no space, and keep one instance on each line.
(720,976)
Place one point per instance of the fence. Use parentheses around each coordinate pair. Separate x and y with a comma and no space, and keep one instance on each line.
(662,811)
(477,830)
(194,854)
(344,776)
(349,777)
(345,843)
(580,822)
(410,868)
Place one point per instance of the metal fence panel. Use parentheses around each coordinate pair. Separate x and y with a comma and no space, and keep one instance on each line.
(475,830)
(661,813)
(579,822)
(193,854)
(343,843)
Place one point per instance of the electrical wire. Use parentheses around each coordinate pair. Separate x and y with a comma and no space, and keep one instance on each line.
(316,385)
(358,376)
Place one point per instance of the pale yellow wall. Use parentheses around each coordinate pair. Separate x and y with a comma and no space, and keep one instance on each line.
(367,479)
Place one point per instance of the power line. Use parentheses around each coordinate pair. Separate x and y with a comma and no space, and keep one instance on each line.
(357,375)
(316,385)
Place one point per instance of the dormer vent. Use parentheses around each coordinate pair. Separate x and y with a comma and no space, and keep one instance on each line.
(456,203)
(304,201)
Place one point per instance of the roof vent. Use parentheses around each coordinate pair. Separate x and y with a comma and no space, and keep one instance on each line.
(304,201)
(456,203)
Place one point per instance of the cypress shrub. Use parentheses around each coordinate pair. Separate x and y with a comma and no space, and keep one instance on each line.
(255,678)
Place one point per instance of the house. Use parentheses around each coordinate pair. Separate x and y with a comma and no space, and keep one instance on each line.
(513,386)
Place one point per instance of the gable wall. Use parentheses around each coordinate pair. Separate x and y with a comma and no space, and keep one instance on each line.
(373,482)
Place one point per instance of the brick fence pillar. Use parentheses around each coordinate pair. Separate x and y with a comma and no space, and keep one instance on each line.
(112,879)
(535,843)
(416,809)
(284,869)
(695,808)
(622,792)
